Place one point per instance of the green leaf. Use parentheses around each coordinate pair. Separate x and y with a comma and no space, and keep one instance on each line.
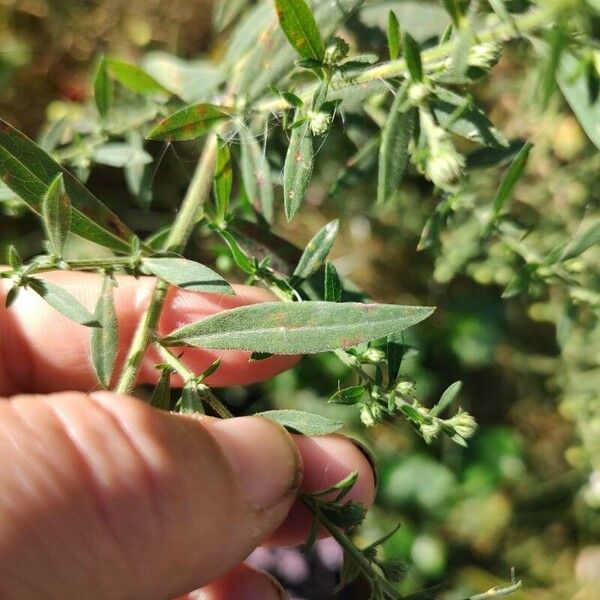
(187,274)
(14,259)
(29,171)
(256,174)
(56,211)
(63,302)
(348,396)
(105,339)
(223,180)
(573,84)
(454,10)
(333,284)
(393,152)
(472,123)
(514,173)
(161,396)
(239,256)
(135,79)
(588,237)
(191,401)
(298,168)
(190,123)
(299,25)
(227,11)
(317,250)
(299,327)
(412,55)
(393,35)
(302,422)
(395,351)
(103,89)
(447,398)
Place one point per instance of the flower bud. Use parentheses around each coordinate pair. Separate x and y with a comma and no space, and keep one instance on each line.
(372,356)
(319,122)
(371,414)
(463,424)
(337,49)
(431,430)
(405,388)
(444,164)
(417,92)
(485,55)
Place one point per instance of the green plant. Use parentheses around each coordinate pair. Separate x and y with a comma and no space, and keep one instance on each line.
(266,109)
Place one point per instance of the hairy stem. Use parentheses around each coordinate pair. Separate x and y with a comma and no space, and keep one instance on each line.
(182,229)
(432,58)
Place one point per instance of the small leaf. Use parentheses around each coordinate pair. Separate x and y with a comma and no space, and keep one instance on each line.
(190,123)
(29,171)
(412,55)
(472,123)
(447,398)
(302,422)
(105,339)
(299,25)
(12,296)
(223,180)
(395,352)
(317,250)
(298,327)
(393,35)
(298,168)
(161,396)
(14,259)
(256,174)
(191,401)
(119,155)
(333,284)
(63,302)
(187,274)
(514,173)
(454,10)
(588,237)
(393,152)
(239,256)
(572,81)
(56,210)
(135,79)
(103,89)
(348,396)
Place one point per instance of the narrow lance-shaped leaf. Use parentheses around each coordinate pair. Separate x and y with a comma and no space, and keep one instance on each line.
(588,237)
(472,123)
(348,396)
(298,327)
(190,123)
(299,25)
(223,180)
(29,171)
(302,422)
(333,288)
(105,339)
(393,35)
(412,55)
(63,302)
(298,168)
(256,174)
(135,79)
(514,173)
(56,211)
(447,398)
(187,274)
(103,89)
(393,152)
(161,396)
(317,250)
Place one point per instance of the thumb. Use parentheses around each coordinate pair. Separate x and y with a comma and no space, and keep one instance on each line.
(103,497)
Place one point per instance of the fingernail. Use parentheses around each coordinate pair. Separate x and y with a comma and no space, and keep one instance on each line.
(262,455)
(368,454)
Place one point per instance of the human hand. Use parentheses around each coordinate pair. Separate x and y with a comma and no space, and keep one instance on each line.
(103,497)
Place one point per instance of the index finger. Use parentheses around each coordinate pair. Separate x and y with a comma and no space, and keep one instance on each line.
(43,351)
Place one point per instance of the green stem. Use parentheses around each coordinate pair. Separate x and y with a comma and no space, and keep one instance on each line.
(184,224)
(432,58)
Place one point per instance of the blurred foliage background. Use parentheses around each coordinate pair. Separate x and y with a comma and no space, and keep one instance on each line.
(526,493)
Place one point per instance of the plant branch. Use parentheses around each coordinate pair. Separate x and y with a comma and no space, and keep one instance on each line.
(432,58)
(184,224)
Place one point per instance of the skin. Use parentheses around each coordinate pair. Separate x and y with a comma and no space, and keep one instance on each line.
(104,497)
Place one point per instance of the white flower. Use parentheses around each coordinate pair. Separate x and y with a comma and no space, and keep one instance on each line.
(463,424)
(319,122)
(444,164)
(485,55)
(371,414)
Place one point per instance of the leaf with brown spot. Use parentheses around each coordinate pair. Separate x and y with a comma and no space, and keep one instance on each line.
(297,327)
(190,122)
(299,25)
